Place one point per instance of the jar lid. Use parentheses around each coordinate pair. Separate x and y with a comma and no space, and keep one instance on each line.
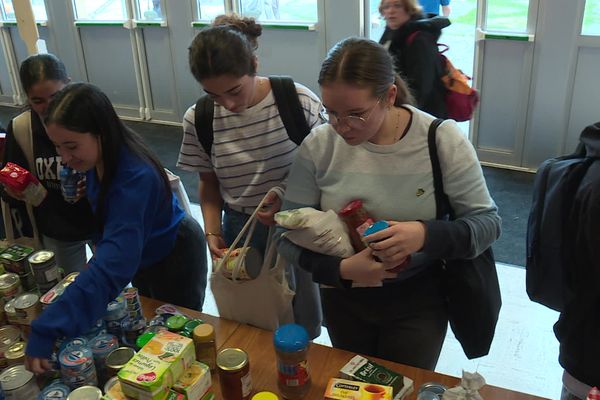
(290,338)
(143,339)
(15,351)
(54,391)
(376,227)
(232,359)
(265,396)
(433,387)
(351,207)
(204,333)
(117,358)
(176,322)
(191,324)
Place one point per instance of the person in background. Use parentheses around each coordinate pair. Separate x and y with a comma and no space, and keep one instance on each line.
(65,227)
(261,9)
(375,149)
(251,152)
(432,7)
(578,326)
(142,235)
(412,41)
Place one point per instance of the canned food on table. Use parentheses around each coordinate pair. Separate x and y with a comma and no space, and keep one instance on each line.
(27,307)
(10,285)
(18,383)
(117,359)
(15,259)
(9,335)
(44,268)
(15,354)
(85,393)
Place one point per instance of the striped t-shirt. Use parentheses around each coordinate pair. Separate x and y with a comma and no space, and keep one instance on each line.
(251,151)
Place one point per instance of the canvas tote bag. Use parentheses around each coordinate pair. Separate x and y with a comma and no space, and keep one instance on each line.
(264,302)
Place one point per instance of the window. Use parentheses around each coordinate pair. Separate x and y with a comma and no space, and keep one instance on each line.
(303,11)
(149,10)
(376,21)
(591,18)
(507,15)
(93,10)
(209,9)
(39,10)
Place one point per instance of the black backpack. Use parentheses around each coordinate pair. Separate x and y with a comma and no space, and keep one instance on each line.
(556,183)
(288,104)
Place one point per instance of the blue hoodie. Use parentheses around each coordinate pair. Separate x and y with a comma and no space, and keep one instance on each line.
(139,230)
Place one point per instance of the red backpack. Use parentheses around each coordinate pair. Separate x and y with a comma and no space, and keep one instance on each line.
(460,98)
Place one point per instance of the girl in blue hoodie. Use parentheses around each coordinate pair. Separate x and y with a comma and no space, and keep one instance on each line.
(142,235)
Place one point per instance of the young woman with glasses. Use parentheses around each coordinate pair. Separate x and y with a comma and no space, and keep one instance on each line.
(375,149)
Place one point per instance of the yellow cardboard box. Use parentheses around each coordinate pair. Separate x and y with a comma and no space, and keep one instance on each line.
(195,381)
(341,389)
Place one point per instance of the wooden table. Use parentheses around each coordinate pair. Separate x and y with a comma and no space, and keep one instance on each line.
(324,362)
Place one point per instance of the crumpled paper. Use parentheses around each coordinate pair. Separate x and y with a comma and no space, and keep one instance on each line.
(469,387)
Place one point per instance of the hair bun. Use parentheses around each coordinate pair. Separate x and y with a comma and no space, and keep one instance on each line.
(246,25)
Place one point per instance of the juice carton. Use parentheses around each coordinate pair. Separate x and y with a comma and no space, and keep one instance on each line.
(157,366)
(342,389)
(195,381)
(361,369)
(23,182)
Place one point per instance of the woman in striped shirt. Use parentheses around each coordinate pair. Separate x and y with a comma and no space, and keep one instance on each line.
(251,151)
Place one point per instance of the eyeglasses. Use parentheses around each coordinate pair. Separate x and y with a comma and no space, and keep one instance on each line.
(352,121)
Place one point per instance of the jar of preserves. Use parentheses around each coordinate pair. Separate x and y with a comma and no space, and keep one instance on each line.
(358,220)
(234,374)
(206,347)
(291,347)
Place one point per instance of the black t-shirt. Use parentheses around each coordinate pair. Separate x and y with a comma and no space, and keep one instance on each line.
(55,217)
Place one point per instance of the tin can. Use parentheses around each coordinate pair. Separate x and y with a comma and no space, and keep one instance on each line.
(117,359)
(28,282)
(54,293)
(10,285)
(85,393)
(15,259)
(9,335)
(18,383)
(77,367)
(251,263)
(101,346)
(132,328)
(27,307)
(76,341)
(11,313)
(44,268)
(234,374)
(54,391)
(431,391)
(15,354)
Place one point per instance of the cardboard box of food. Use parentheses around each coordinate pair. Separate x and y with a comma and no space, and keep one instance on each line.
(342,389)
(195,381)
(364,370)
(157,366)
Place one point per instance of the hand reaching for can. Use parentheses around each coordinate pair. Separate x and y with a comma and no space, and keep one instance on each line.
(37,365)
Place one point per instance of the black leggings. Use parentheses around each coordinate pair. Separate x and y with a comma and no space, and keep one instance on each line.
(180,278)
(405,322)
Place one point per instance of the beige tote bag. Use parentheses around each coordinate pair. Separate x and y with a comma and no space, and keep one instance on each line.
(264,302)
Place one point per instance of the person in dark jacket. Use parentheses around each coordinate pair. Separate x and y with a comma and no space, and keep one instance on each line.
(63,227)
(412,39)
(578,327)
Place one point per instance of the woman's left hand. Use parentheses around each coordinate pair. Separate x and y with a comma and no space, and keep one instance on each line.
(37,365)
(392,245)
(271,206)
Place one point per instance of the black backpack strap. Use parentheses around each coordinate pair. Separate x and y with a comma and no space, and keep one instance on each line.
(442,203)
(203,122)
(290,109)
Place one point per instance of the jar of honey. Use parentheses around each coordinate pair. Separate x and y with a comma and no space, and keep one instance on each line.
(234,374)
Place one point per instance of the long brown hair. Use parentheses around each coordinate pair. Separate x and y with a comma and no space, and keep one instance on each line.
(364,63)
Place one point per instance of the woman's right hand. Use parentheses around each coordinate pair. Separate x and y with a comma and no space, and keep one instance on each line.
(363,268)
(216,245)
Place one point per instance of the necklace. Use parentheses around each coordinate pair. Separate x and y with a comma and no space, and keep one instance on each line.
(397,132)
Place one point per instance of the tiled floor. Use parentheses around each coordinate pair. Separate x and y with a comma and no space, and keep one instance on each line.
(524,353)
